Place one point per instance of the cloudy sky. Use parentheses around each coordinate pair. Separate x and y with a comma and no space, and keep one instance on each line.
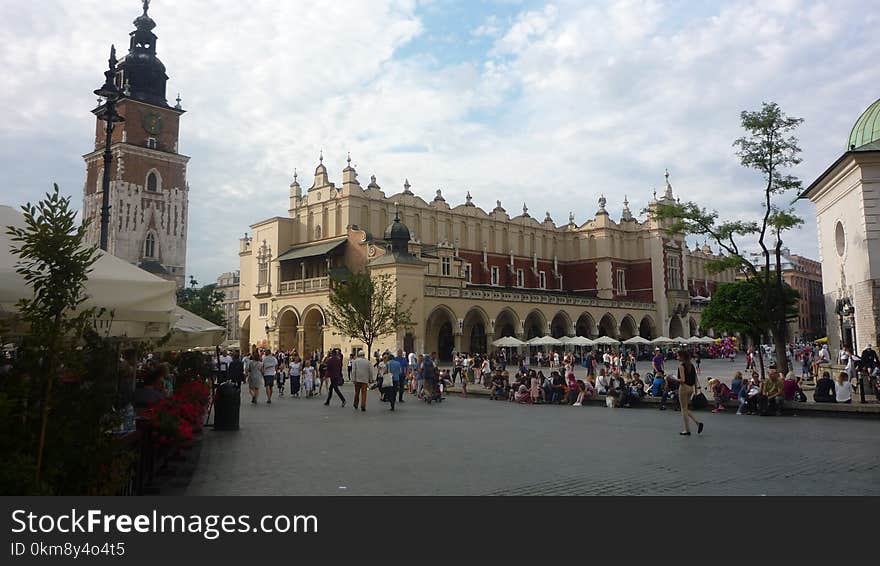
(547,103)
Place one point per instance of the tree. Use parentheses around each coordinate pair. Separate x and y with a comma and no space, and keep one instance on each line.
(770,148)
(736,308)
(205,302)
(55,263)
(365,308)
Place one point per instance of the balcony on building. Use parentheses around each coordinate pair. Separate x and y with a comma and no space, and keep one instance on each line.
(309,268)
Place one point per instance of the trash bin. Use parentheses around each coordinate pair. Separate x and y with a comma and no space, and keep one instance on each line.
(227,405)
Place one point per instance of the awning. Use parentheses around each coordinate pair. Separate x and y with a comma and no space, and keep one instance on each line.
(303,251)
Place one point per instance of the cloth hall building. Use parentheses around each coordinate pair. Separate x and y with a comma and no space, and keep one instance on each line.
(474,275)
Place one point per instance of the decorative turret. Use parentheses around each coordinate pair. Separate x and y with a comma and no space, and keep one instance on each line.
(525,210)
(498,207)
(468,201)
(626,215)
(349,174)
(321,178)
(439,197)
(295,189)
(406,187)
(373,184)
(397,234)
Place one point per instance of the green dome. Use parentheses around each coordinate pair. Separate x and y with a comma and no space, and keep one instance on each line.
(867,128)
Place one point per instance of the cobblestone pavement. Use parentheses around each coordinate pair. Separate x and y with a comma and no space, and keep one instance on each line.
(476,446)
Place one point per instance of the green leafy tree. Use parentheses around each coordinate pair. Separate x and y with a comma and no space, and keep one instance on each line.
(770,148)
(365,308)
(205,302)
(54,262)
(736,308)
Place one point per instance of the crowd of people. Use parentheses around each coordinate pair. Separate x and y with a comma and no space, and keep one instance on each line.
(611,373)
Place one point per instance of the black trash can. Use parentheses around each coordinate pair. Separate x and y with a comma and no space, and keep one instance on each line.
(227,406)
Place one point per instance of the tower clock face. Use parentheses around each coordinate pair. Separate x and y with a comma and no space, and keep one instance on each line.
(153,123)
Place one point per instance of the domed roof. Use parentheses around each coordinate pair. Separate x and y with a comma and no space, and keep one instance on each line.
(867,128)
(397,232)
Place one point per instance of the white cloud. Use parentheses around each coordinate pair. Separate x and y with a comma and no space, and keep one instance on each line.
(571,100)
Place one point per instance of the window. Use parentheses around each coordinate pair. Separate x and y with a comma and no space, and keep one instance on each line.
(262,270)
(264,310)
(150,246)
(467,272)
(151,143)
(621,282)
(152,182)
(445,266)
(673,272)
(494,276)
(520,279)
(542,276)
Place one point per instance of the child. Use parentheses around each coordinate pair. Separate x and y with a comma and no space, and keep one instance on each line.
(308,373)
(718,394)
(280,378)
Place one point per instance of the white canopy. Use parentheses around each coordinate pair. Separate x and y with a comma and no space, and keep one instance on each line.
(707,340)
(678,340)
(636,341)
(192,331)
(508,342)
(662,340)
(606,341)
(138,304)
(694,340)
(544,341)
(576,341)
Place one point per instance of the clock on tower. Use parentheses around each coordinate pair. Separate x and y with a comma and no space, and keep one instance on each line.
(149,195)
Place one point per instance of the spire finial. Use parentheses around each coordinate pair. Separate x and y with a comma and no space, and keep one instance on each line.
(525,210)
(294,174)
(571,217)
(321,156)
(348,158)
(668,193)
(602,202)
(177,106)
(406,187)
(146,6)
(469,199)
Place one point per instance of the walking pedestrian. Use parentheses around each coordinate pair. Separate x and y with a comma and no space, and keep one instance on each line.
(270,363)
(362,375)
(255,376)
(401,384)
(687,380)
(333,362)
(396,375)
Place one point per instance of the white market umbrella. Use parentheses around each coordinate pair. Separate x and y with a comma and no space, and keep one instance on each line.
(606,341)
(662,340)
(694,340)
(138,304)
(637,341)
(192,331)
(508,342)
(544,341)
(678,340)
(577,341)
(707,340)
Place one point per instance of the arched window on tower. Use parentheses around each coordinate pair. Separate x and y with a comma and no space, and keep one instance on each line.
(152,182)
(150,246)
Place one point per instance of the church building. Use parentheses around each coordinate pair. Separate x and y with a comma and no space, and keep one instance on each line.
(149,195)
(847,199)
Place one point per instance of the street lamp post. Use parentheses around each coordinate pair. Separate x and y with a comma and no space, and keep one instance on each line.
(107,112)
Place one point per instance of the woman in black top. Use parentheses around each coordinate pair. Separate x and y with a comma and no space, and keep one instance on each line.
(825,389)
(687,380)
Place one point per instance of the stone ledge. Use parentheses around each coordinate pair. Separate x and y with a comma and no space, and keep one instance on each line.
(869,410)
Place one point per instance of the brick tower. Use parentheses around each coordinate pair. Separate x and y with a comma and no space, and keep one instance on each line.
(149,195)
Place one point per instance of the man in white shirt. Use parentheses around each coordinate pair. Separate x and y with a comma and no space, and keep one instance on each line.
(362,376)
(603,382)
(270,362)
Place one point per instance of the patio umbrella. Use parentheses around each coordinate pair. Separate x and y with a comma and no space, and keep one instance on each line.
(578,341)
(606,341)
(508,342)
(707,340)
(544,341)
(192,331)
(138,304)
(662,340)
(637,341)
